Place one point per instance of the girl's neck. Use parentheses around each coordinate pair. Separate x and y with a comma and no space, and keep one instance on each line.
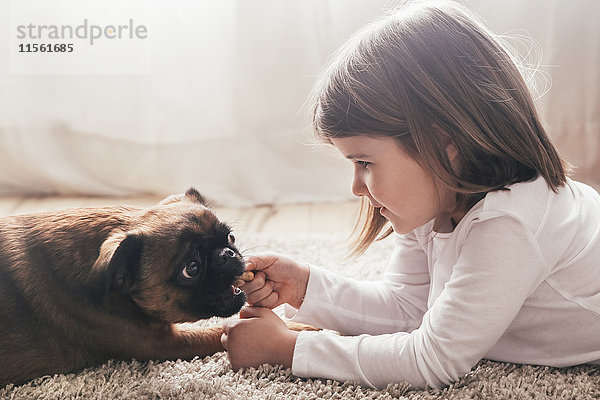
(447,222)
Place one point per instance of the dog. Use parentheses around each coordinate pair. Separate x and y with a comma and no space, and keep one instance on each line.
(82,286)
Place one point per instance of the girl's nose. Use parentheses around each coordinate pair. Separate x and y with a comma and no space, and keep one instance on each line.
(358,186)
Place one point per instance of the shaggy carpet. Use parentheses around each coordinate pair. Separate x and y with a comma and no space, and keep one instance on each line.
(212,377)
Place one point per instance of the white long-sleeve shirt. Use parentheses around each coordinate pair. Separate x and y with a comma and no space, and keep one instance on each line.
(518,280)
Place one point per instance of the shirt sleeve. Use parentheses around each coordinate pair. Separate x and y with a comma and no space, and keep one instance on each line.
(498,266)
(396,303)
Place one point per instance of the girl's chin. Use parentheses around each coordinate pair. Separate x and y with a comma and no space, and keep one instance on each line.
(400,230)
(392,219)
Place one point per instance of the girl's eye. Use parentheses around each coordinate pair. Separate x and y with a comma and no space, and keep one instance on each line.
(231,238)
(363,164)
(190,271)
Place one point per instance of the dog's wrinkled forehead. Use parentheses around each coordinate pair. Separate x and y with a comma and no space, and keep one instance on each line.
(205,224)
(188,217)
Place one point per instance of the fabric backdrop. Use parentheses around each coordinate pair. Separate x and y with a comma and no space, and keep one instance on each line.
(223,105)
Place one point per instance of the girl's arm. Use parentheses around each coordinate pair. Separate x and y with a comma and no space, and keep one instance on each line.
(397,303)
(499,265)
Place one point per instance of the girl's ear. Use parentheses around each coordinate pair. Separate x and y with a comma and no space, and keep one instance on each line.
(453,156)
(452,151)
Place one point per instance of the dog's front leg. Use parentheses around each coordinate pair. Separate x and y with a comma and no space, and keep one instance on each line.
(187,341)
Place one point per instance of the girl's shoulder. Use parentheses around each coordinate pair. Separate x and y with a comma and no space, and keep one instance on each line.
(535,204)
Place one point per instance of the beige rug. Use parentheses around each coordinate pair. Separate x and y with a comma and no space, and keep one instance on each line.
(212,378)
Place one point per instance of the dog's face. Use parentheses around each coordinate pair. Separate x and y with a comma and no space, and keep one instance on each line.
(179,264)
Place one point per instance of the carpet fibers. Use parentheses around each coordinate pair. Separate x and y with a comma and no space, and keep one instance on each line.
(212,377)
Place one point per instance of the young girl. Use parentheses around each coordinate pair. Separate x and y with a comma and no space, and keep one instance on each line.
(497,250)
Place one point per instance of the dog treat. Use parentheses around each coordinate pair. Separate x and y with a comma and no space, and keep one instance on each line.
(247,276)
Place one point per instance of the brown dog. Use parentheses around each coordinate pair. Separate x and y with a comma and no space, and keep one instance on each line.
(79,287)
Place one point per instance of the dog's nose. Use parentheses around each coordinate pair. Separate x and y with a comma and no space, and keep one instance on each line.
(225,255)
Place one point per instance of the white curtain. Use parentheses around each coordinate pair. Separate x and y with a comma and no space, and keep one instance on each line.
(223,107)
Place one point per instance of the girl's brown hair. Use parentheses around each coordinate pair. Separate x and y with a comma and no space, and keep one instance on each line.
(430,74)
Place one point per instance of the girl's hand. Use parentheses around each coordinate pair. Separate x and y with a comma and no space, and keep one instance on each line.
(244,339)
(277,280)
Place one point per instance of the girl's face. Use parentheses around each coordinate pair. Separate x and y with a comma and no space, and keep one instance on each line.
(393,182)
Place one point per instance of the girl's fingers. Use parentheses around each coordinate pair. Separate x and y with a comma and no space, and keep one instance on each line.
(239,283)
(271,301)
(260,262)
(260,294)
(253,312)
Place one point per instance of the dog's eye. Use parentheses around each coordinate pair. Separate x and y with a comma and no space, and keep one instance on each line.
(191,270)
(231,238)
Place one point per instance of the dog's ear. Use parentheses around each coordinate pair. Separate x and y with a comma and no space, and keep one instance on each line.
(191,195)
(124,265)
(195,197)
(117,265)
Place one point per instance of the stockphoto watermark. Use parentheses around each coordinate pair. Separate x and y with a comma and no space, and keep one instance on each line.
(59,37)
(85,30)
